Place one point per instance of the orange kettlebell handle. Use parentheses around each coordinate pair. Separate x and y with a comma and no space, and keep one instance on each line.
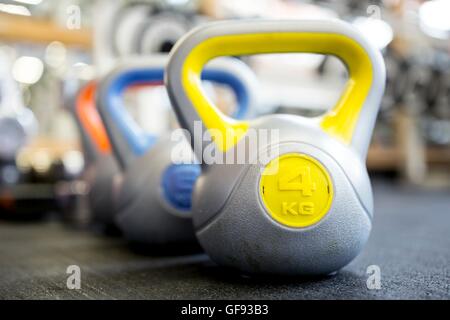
(90,118)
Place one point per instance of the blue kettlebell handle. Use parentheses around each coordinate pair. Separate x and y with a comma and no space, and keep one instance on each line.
(128,139)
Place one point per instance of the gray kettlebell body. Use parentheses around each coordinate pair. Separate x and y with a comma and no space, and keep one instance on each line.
(251,240)
(100,176)
(142,211)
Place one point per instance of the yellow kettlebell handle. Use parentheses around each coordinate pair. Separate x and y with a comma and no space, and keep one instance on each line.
(262,37)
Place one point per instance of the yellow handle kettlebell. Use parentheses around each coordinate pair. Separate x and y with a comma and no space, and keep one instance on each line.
(301,203)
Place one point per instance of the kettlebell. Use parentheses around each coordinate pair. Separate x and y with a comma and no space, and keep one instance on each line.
(17,122)
(154,201)
(305,206)
(101,168)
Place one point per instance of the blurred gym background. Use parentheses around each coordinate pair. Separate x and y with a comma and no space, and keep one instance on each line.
(50,48)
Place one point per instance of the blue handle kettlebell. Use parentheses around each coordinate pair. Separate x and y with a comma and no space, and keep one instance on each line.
(154,202)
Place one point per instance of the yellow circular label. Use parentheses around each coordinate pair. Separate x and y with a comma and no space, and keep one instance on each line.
(296,190)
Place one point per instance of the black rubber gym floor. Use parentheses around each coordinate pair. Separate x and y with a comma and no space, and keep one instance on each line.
(410,243)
